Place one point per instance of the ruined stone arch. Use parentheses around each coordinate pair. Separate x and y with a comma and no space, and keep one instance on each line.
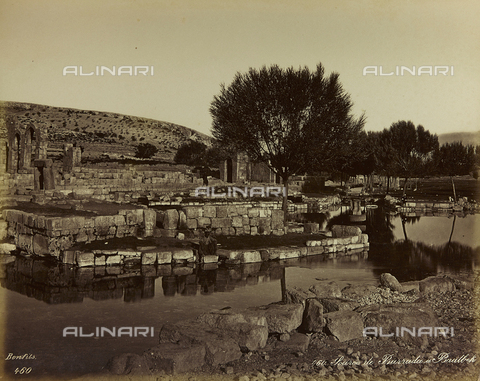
(26,143)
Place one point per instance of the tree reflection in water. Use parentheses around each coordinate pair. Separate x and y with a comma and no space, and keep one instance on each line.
(414,260)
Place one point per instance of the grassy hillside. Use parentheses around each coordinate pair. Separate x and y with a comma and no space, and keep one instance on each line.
(100,132)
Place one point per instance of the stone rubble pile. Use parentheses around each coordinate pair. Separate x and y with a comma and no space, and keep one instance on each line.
(222,336)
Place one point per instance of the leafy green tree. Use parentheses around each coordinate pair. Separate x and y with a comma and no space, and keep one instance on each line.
(295,121)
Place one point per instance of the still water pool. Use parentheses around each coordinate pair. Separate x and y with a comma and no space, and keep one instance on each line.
(41,300)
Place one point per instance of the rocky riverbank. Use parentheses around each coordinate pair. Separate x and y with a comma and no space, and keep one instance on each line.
(319,334)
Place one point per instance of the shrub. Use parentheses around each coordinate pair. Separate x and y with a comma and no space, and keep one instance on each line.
(145,150)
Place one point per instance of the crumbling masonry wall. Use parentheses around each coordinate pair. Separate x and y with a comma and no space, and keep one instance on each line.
(51,236)
(249,218)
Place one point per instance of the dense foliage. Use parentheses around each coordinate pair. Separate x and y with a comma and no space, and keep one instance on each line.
(295,121)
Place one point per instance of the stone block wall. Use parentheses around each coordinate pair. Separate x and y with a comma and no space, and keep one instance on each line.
(43,236)
(228,219)
(9,182)
(100,183)
(105,181)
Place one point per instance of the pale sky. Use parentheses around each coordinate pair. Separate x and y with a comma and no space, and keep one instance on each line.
(194,46)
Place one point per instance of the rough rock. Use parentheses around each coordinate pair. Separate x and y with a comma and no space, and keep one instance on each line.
(358,291)
(344,325)
(245,334)
(221,351)
(436,284)
(389,281)
(412,285)
(297,295)
(408,315)
(225,318)
(298,342)
(175,358)
(462,283)
(284,337)
(313,320)
(338,304)
(281,318)
(326,290)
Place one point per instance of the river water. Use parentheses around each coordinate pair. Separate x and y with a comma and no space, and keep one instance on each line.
(42,299)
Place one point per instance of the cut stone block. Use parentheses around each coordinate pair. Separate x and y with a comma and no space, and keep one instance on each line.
(179,254)
(113,260)
(85,259)
(210,259)
(250,257)
(164,257)
(149,258)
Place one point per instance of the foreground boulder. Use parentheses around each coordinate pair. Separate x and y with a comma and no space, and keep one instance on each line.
(389,281)
(338,304)
(226,318)
(390,316)
(313,320)
(462,282)
(326,290)
(344,325)
(297,295)
(412,285)
(244,335)
(281,318)
(175,358)
(436,284)
(355,292)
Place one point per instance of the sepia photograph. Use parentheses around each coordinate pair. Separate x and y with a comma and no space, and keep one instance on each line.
(245,191)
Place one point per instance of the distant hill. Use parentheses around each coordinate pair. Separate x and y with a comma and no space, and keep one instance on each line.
(464,137)
(100,132)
